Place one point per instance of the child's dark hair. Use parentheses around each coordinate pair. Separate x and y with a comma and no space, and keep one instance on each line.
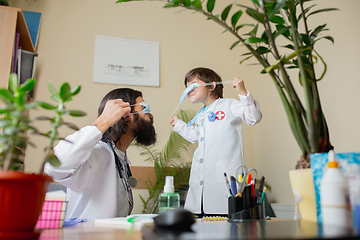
(206,75)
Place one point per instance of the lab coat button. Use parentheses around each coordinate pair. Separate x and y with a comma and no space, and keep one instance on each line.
(201,182)
(201,160)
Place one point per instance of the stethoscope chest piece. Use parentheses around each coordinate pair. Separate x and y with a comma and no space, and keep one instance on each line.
(133,182)
(211,117)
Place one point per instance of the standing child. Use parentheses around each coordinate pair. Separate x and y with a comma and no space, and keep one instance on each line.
(218,132)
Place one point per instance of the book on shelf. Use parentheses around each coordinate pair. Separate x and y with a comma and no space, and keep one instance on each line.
(26,66)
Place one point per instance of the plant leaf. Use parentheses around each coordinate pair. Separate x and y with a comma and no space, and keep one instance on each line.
(75,90)
(235,18)
(253,40)
(6,94)
(28,85)
(277,8)
(210,5)
(13,82)
(52,89)
(322,10)
(46,105)
(53,160)
(76,113)
(234,44)
(65,91)
(225,12)
(277,19)
(258,16)
(196,4)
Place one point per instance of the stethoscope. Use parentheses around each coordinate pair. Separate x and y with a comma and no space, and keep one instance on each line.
(132,182)
(212,116)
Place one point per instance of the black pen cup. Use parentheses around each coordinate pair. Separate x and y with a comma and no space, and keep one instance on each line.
(245,207)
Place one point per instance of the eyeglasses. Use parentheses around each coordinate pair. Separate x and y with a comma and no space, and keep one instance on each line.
(145,110)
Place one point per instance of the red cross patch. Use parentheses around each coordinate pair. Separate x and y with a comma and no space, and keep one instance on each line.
(220,115)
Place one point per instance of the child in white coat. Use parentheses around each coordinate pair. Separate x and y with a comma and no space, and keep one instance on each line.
(218,132)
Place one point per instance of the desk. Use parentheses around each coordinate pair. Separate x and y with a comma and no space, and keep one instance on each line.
(88,231)
(269,229)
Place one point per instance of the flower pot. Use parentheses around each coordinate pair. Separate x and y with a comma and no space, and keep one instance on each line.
(21,199)
(302,181)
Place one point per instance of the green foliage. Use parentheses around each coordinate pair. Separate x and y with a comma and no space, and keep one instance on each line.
(281,18)
(165,165)
(15,122)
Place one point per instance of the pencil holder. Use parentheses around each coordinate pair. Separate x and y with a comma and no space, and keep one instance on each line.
(244,207)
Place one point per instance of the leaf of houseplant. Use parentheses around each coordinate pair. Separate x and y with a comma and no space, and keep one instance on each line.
(64,93)
(53,160)
(13,82)
(235,18)
(322,10)
(225,12)
(6,95)
(210,5)
(75,90)
(76,113)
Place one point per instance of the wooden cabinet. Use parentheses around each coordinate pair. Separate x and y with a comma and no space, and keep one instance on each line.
(12,21)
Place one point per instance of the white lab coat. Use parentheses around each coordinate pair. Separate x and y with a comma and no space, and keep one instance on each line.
(89,172)
(219,151)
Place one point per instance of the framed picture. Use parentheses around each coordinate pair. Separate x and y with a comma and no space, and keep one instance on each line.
(126,61)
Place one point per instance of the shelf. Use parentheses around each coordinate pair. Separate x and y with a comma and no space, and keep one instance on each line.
(12,21)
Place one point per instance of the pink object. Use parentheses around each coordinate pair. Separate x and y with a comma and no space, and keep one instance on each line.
(52,215)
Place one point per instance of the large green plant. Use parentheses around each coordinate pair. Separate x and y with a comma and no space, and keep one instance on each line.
(272,20)
(165,164)
(15,121)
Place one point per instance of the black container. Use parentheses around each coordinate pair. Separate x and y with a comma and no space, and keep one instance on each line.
(245,208)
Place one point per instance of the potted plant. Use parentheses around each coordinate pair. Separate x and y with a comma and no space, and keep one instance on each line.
(22,194)
(165,165)
(272,20)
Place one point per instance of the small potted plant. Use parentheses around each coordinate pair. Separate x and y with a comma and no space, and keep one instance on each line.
(22,195)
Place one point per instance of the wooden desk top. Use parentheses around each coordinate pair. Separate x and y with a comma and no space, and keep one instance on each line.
(88,231)
(270,229)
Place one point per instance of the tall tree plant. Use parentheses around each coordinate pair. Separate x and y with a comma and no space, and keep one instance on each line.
(165,164)
(272,20)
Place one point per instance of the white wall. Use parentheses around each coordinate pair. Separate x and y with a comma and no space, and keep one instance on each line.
(187,40)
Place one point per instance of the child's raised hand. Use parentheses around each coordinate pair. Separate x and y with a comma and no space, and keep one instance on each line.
(173,120)
(240,86)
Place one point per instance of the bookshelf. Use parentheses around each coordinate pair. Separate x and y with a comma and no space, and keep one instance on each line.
(11,21)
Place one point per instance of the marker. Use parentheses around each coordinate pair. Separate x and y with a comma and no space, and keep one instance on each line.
(233,184)
(261,186)
(227,184)
(262,195)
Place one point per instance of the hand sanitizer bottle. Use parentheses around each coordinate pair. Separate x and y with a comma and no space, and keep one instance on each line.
(334,196)
(168,199)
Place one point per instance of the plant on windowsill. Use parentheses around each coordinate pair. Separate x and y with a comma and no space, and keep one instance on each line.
(26,191)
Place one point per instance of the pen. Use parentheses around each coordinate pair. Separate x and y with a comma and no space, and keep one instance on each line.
(233,184)
(250,181)
(227,184)
(261,186)
(262,195)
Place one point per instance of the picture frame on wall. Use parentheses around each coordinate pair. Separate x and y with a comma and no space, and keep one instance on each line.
(126,61)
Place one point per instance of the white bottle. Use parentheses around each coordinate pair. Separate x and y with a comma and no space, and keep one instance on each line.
(334,196)
(168,199)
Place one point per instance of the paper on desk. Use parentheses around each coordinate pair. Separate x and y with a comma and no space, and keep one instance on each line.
(121,222)
(55,196)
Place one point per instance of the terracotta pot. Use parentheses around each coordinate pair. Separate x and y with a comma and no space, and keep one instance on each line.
(21,199)
(302,181)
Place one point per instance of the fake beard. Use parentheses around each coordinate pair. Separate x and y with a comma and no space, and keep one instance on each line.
(144,131)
